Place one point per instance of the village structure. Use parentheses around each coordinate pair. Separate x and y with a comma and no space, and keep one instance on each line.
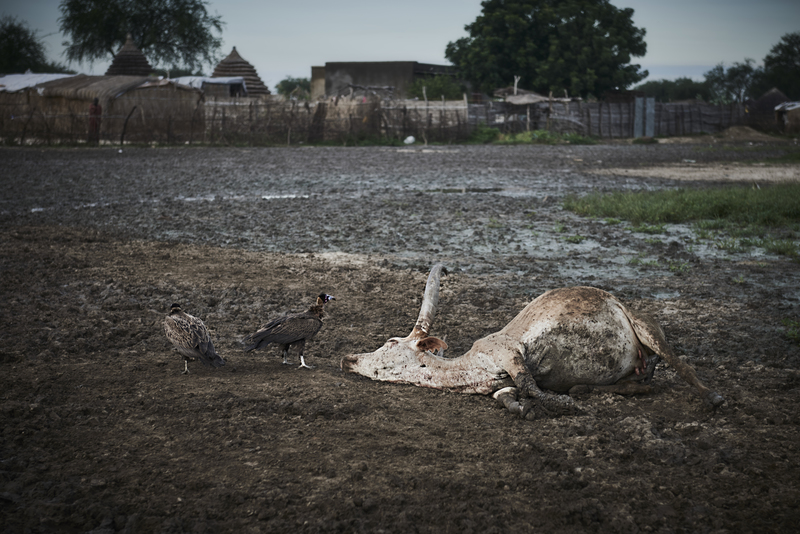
(348,101)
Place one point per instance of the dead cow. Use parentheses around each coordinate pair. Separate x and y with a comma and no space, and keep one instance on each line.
(567,340)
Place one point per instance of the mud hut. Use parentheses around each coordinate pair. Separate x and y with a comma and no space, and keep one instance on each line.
(134,108)
(787,115)
(129,61)
(235,66)
(761,112)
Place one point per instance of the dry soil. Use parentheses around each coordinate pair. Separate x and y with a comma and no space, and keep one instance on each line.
(101,432)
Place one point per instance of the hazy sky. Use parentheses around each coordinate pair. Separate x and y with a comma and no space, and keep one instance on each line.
(280,38)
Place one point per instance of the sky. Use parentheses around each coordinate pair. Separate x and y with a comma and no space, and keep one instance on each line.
(685,38)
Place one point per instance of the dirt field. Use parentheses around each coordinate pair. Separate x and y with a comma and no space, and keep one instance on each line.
(102,432)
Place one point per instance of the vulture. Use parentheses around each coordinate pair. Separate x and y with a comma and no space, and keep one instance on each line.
(290,330)
(190,337)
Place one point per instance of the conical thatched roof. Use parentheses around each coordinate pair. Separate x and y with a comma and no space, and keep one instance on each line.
(129,61)
(234,65)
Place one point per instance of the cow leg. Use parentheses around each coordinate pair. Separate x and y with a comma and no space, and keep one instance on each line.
(555,404)
(508,398)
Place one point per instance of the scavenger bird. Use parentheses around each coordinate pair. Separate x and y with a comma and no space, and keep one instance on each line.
(190,337)
(290,330)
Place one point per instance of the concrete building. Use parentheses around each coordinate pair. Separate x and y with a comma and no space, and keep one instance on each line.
(397,75)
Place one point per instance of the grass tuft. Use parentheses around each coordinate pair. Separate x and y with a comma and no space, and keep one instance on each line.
(775,205)
(735,218)
(543,137)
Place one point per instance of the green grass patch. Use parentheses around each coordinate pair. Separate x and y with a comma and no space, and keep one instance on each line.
(784,247)
(543,137)
(639,260)
(483,135)
(777,205)
(792,329)
(648,228)
(678,266)
(574,239)
(736,219)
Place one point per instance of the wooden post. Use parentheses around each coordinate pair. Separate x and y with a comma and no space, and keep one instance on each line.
(610,121)
(466,113)
(528,111)
(25,127)
(600,119)
(632,117)
(125,126)
(589,118)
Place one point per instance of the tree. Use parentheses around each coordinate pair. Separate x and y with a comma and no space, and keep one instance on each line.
(732,84)
(169,32)
(583,46)
(21,50)
(782,67)
(435,87)
(673,90)
(299,88)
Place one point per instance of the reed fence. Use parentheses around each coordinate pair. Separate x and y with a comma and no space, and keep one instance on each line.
(251,121)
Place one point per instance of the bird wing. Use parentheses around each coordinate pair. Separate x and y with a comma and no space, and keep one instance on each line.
(284,330)
(179,332)
(190,335)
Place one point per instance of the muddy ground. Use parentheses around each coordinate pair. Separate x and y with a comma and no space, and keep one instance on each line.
(101,432)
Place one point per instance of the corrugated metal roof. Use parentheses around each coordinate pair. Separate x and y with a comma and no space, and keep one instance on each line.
(787,106)
(12,83)
(198,81)
(101,87)
(89,87)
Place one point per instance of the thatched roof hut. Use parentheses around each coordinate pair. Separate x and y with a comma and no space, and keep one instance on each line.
(129,61)
(142,107)
(235,65)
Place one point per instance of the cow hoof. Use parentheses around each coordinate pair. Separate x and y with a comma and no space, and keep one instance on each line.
(526,410)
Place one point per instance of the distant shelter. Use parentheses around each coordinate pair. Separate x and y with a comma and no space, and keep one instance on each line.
(236,66)
(393,77)
(134,108)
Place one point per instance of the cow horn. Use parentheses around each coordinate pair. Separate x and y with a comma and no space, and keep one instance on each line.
(430,303)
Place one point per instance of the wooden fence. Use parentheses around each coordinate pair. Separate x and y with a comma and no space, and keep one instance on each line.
(609,120)
(252,121)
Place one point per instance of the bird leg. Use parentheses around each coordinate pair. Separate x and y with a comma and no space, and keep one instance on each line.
(302,361)
(185,367)
(286,356)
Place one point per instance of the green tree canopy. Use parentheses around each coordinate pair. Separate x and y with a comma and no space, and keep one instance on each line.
(583,46)
(170,32)
(21,50)
(782,67)
(678,89)
(299,88)
(732,84)
(435,87)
